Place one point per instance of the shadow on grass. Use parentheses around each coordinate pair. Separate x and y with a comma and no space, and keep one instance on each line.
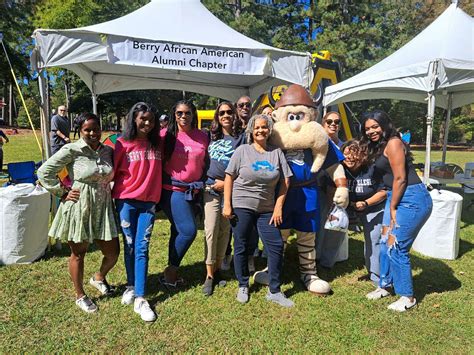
(435,277)
(464,247)
(291,272)
(193,275)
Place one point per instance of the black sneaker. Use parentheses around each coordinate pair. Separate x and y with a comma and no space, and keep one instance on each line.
(208,287)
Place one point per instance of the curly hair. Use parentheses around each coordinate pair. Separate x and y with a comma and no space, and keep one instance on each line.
(216,127)
(357,148)
(251,126)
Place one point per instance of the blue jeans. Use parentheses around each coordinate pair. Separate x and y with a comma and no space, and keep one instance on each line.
(412,212)
(244,245)
(136,219)
(183,224)
(372,223)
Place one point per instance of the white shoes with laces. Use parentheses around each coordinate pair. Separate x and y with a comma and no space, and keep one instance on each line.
(402,304)
(86,304)
(377,294)
(129,295)
(142,307)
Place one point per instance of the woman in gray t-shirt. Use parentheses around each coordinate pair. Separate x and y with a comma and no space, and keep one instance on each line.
(252,176)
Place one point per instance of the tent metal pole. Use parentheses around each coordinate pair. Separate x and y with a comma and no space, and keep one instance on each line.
(429,133)
(94,103)
(44,117)
(446,126)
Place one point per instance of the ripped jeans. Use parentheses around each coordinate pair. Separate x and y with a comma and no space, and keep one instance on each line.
(136,221)
(412,212)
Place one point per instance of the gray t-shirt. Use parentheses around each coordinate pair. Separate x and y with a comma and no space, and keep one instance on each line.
(256,176)
(62,124)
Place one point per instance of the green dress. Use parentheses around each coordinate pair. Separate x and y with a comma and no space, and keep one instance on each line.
(93,216)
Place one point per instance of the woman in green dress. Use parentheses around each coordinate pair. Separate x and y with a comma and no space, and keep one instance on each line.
(86,212)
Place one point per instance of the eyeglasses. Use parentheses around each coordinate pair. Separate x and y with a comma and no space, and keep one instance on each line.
(183,113)
(225,112)
(244,104)
(330,122)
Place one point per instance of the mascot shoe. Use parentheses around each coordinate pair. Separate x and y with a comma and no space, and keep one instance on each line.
(315,285)
(262,277)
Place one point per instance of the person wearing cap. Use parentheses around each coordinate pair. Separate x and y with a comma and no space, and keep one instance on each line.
(307,150)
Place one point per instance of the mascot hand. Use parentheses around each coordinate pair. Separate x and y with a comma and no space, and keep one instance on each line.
(341,197)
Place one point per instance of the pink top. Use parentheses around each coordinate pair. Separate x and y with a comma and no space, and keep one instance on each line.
(138,172)
(188,160)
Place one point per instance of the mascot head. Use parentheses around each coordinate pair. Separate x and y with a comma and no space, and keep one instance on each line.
(296,127)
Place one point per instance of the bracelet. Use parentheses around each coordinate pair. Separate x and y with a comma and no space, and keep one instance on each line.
(366,203)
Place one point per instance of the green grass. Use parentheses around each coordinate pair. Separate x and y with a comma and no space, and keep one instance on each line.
(37,311)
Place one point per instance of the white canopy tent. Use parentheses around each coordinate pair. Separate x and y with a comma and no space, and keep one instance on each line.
(169,44)
(436,66)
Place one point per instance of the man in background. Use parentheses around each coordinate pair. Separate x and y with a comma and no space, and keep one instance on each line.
(243,107)
(60,130)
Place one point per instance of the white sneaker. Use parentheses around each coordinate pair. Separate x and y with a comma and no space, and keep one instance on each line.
(142,307)
(86,304)
(377,294)
(402,304)
(261,277)
(129,295)
(279,298)
(226,263)
(103,286)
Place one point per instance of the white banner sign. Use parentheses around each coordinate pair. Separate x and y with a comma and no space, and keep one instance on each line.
(168,55)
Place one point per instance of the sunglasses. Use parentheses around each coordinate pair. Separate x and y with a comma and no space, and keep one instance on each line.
(244,104)
(225,112)
(183,113)
(330,122)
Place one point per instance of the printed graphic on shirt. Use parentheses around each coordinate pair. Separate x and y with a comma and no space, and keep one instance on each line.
(358,185)
(221,151)
(139,155)
(263,165)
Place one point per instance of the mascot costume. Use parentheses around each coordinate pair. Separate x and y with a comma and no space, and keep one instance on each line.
(307,149)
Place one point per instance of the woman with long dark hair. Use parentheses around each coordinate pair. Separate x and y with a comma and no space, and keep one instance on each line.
(226,136)
(407,208)
(184,173)
(137,189)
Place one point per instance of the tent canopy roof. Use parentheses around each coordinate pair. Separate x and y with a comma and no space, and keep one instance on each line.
(439,60)
(123,54)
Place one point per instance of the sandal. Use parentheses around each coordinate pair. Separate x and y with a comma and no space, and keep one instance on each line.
(170,285)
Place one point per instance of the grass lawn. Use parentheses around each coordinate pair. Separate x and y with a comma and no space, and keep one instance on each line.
(37,311)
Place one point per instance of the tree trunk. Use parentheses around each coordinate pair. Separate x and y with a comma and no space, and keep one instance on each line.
(442,131)
(238,8)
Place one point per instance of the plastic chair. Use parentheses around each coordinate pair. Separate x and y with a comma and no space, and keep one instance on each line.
(21,172)
(455,169)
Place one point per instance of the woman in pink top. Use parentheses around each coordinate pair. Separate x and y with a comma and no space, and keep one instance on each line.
(184,172)
(137,189)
